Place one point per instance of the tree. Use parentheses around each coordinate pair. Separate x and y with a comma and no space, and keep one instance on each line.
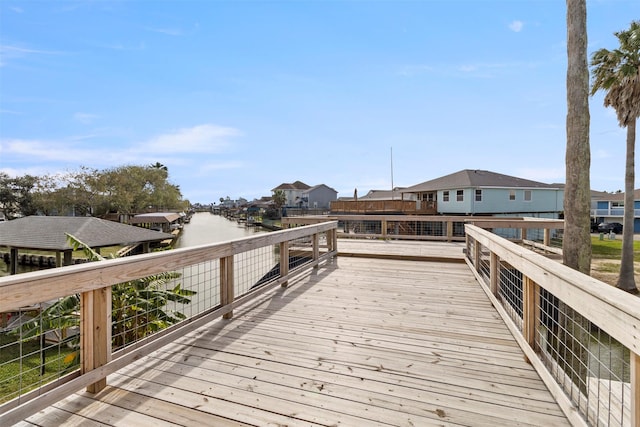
(617,72)
(16,195)
(576,242)
(279,198)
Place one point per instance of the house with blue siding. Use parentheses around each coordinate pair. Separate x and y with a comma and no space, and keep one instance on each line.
(481,192)
(609,207)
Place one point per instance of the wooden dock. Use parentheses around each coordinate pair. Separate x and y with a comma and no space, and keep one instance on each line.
(361,342)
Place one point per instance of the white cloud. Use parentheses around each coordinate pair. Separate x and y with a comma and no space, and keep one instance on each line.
(167,31)
(516,26)
(16,9)
(85,118)
(198,139)
(7,49)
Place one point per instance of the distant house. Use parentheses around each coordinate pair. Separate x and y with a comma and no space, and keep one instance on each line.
(293,193)
(318,197)
(609,207)
(481,192)
(395,194)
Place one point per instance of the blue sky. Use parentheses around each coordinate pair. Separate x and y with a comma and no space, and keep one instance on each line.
(237,97)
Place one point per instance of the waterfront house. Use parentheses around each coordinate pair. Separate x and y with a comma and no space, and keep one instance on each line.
(318,197)
(609,207)
(481,192)
(293,193)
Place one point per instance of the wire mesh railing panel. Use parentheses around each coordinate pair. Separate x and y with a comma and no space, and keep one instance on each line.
(592,368)
(255,268)
(472,245)
(300,253)
(38,344)
(458,229)
(484,263)
(510,292)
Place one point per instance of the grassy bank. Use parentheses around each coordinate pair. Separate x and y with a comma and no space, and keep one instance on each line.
(612,249)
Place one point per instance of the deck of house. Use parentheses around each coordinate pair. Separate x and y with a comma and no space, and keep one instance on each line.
(363,341)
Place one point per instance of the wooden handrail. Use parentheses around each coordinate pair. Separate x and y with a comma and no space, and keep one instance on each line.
(93,282)
(611,309)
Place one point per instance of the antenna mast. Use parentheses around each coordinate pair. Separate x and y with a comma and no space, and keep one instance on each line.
(392,195)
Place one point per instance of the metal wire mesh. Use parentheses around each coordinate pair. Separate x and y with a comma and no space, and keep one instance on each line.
(592,368)
(510,292)
(37,346)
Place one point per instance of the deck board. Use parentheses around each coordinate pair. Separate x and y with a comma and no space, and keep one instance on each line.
(360,342)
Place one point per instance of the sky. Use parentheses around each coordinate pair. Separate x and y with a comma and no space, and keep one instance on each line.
(238,97)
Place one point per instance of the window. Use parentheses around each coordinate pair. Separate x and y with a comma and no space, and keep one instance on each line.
(460,196)
(445,196)
(512,194)
(527,195)
(478,195)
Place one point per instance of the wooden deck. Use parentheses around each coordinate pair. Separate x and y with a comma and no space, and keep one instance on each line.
(360,342)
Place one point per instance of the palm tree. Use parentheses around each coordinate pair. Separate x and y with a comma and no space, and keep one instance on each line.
(279,198)
(158,165)
(617,72)
(576,244)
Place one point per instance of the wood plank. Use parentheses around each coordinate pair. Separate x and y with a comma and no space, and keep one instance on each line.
(360,342)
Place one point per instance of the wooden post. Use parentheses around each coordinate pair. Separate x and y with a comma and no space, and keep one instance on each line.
(529,311)
(449,230)
(68,257)
(316,248)
(523,234)
(226,284)
(58,259)
(13,262)
(635,389)
(383,228)
(547,237)
(494,273)
(284,261)
(95,324)
(476,255)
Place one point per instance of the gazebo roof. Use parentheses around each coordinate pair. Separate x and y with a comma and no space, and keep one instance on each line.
(48,233)
(155,218)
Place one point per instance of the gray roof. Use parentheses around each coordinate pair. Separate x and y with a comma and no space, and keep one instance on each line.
(315,187)
(396,193)
(155,218)
(473,178)
(298,185)
(48,232)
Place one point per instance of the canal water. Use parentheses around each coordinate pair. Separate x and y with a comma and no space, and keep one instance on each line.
(207,228)
(204,228)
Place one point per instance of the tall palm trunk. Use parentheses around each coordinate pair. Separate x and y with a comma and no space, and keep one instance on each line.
(576,242)
(626,280)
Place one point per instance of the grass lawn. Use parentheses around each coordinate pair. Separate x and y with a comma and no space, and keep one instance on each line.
(20,366)
(612,249)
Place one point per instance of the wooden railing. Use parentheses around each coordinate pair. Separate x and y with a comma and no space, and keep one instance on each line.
(381,207)
(435,227)
(216,272)
(581,335)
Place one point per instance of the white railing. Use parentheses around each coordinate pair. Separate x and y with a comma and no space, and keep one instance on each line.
(581,335)
(131,306)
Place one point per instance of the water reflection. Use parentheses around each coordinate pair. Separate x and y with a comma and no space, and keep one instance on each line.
(206,228)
